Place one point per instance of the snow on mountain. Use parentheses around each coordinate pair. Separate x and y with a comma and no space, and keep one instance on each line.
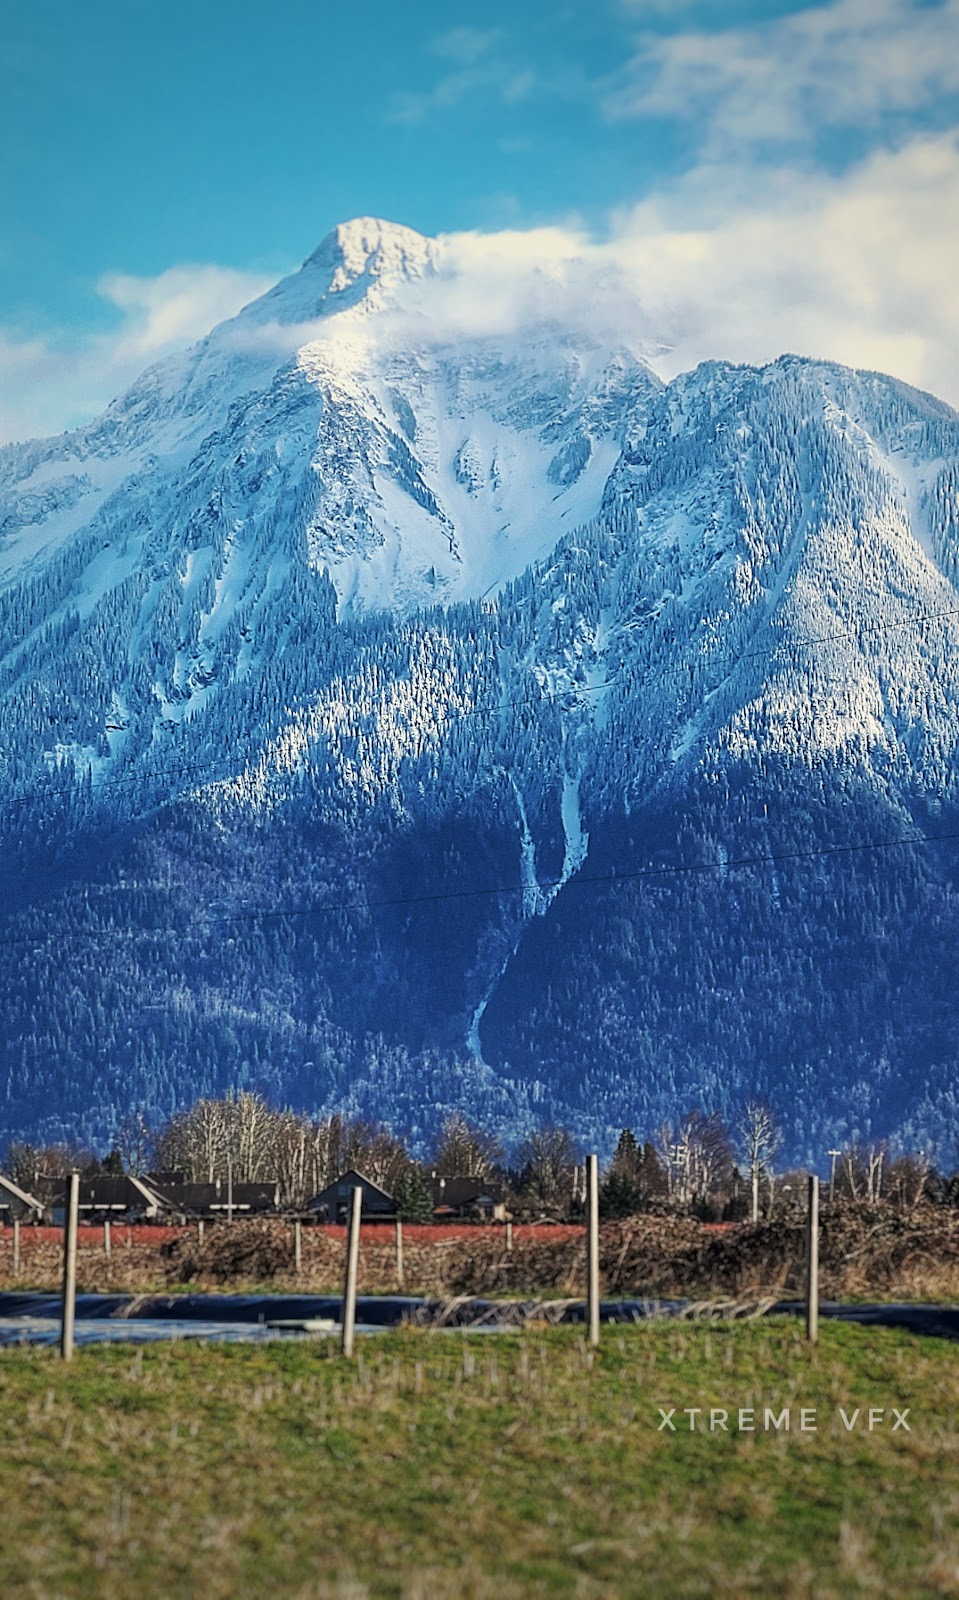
(384,605)
(363,264)
(422,473)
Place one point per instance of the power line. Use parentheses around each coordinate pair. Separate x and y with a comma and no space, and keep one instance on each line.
(607,879)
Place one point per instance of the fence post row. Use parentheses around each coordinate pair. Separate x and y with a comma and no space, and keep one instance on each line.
(352,1269)
(592,1246)
(70,1218)
(812,1262)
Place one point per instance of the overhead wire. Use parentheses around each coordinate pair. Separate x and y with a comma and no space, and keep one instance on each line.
(578,881)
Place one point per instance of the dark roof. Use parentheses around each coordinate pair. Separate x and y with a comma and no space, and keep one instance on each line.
(458,1192)
(103,1193)
(216,1196)
(12,1194)
(337,1192)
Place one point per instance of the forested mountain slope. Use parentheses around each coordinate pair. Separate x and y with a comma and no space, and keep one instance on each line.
(398,721)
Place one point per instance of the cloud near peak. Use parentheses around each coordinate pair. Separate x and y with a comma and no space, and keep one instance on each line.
(857,267)
(48,384)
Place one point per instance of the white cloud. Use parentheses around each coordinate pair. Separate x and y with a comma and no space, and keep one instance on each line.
(858,268)
(480,66)
(731,263)
(494,79)
(47,384)
(171,310)
(465,45)
(37,389)
(846,64)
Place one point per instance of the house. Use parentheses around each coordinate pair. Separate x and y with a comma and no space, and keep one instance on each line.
(163,1180)
(103,1198)
(332,1203)
(217,1201)
(16,1205)
(467,1197)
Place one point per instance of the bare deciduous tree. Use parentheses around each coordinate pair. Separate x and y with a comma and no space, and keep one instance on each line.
(905,1179)
(760,1138)
(697,1157)
(464,1151)
(861,1171)
(547,1161)
(135,1143)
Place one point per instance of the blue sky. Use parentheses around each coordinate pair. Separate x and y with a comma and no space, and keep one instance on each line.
(163,162)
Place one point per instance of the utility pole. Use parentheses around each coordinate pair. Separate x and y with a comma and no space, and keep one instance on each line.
(812,1261)
(70,1219)
(592,1246)
(352,1270)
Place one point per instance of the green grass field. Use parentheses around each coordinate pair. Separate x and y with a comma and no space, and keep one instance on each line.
(443,1465)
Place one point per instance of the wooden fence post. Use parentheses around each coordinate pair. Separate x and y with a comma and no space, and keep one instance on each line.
(400,1275)
(16,1247)
(812,1262)
(592,1246)
(297,1247)
(71,1215)
(199,1233)
(229,1190)
(348,1317)
(107,1242)
(509,1238)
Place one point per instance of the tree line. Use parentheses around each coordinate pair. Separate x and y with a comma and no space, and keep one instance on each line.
(696,1165)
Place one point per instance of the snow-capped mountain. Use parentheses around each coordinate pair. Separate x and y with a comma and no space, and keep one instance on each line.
(416,472)
(401,716)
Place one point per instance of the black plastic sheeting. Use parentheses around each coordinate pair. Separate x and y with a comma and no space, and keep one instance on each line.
(34,1318)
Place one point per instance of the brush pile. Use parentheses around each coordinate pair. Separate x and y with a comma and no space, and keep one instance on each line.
(864,1251)
(874,1250)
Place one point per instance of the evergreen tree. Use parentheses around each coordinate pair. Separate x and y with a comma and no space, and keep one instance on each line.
(626,1158)
(414,1203)
(621,1196)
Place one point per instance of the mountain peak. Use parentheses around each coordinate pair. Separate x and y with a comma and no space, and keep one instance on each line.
(367,251)
(363,262)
